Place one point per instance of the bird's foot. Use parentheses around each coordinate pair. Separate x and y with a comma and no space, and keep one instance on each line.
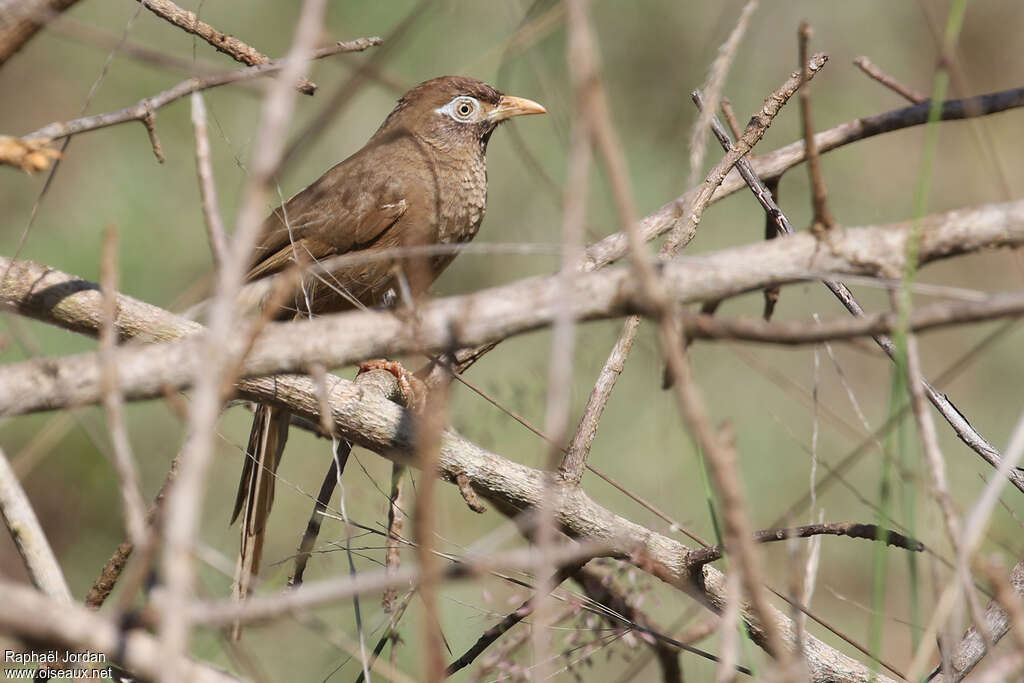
(413,389)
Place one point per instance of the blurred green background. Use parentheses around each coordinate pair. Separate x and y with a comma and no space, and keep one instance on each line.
(653,53)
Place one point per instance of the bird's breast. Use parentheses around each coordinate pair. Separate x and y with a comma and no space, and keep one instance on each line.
(463,200)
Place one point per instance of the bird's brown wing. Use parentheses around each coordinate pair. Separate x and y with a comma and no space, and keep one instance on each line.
(345,210)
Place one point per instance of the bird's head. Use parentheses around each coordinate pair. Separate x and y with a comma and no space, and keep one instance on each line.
(455,111)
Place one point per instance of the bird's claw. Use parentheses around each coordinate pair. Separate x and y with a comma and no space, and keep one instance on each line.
(413,389)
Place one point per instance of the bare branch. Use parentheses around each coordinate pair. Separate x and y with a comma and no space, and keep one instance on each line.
(932,316)
(238,50)
(488,637)
(139,111)
(28,614)
(113,402)
(822,216)
(372,421)
(478,318)
(575,461)
(868,67)
(694,207)
(774,164)
(207,187)
(849,529)
(218,360)
(115,564)
(971,649)
(29,537)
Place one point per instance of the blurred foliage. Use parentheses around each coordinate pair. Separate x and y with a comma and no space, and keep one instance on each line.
(653,52)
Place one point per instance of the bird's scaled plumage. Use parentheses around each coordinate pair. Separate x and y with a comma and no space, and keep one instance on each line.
(420,180)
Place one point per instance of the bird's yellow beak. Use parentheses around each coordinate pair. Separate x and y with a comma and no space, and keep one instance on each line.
(509,106)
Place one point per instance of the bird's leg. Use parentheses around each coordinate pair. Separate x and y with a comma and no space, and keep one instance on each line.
(414,390)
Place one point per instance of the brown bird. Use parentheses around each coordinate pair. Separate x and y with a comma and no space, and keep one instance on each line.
(420,180)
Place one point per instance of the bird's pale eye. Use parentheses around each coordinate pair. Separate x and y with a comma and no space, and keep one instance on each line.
(463,108)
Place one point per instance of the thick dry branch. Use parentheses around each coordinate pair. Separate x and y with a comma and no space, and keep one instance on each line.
(368,419)
(31,616)
(489,315)
(776,163)
(373,422)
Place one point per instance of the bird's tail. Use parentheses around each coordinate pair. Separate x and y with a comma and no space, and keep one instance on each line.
(256,493)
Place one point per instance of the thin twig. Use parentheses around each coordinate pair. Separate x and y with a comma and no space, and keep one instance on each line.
(586,93)
(134,508)
(575,461)
(149,122)
(312,530)
(396,521)
(114,566)
(237,49)
(492,634)
(822,217)
(28,614)
(30,539)
(956,419)
(139,110)
(849,529)
(937,472)
(933,316)
(713,88)
(730,117)
(215,231)
(971,648)
(428,426)
(774,164)
(868,67)
(694,205)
